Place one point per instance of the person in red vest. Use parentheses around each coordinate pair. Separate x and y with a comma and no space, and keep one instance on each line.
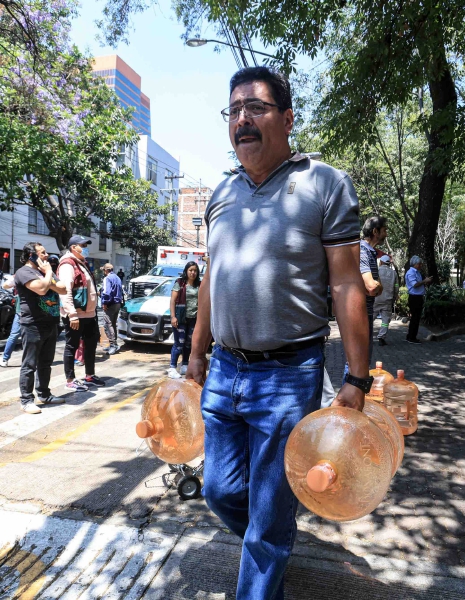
(79,312)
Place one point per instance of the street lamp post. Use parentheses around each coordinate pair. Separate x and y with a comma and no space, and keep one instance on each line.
(196,42)
(197,223)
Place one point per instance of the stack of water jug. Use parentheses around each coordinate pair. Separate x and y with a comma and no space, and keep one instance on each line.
(339,462)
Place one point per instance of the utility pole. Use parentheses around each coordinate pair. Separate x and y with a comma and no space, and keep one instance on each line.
(172,191)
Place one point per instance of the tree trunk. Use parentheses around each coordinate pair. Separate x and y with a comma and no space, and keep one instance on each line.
(433,182)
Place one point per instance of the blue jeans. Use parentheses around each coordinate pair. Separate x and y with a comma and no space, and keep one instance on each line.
(13,338)
(182,342)
(249,411)
(371,318)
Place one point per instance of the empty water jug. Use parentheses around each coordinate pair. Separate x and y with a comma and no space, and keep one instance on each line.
(171,422)
(401,399)
(390,427)
(339,462)
(380,378)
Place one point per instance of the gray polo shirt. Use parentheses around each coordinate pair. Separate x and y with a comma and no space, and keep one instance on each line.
(268,268)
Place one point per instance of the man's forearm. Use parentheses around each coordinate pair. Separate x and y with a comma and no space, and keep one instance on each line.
(352,318)
(202,333)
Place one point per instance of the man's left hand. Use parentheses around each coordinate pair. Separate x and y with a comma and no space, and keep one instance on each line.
(350,397)
(104,306)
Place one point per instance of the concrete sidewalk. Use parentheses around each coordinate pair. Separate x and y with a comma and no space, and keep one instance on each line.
(150,544)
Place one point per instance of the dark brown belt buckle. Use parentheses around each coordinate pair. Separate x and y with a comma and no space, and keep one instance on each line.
(238,354)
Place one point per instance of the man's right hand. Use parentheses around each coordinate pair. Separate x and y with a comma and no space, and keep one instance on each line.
(74,324)
(44,266)
(197,369)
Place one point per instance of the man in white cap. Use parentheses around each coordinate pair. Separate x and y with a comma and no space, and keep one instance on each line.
(384,302)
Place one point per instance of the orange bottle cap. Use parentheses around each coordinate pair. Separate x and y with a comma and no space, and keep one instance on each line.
(400,374)
(321,477)
(144,429)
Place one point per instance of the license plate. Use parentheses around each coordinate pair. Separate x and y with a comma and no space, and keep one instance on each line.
(146,331)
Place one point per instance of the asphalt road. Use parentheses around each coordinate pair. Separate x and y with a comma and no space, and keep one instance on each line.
(87,512)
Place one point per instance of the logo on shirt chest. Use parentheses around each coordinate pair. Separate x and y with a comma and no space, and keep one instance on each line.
(291,188)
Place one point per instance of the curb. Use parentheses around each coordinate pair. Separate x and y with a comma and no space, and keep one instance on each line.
(444,335)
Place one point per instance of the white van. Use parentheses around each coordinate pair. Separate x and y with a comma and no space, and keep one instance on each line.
(171,261)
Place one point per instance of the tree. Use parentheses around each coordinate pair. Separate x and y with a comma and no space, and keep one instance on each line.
(62,131)
(381,55)
(142,234)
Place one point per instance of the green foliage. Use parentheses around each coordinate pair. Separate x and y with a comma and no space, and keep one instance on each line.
(70,178)
(444,270)
(402,308)
(444,306)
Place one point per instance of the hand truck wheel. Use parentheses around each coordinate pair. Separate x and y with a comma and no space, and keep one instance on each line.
(189,487)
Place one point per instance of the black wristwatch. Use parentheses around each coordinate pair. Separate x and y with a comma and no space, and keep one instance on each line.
(362,384)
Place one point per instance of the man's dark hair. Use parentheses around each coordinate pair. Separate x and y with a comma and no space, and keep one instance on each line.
(373,223)
(279,83)
(28,249)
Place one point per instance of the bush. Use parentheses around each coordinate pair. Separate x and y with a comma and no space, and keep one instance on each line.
(402,303)
(444,270)
(444,306)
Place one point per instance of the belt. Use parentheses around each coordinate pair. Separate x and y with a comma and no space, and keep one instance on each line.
(253,356)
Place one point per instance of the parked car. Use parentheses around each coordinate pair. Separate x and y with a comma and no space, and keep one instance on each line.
(147,319)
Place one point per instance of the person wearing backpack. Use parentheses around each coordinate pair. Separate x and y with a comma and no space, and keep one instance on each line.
(79,312)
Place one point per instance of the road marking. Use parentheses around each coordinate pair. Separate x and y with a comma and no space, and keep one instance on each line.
(29,568)
(80,558)
(78,431)
(15,393)
(24,424)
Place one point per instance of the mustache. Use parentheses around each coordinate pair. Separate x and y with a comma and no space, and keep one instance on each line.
(249,131)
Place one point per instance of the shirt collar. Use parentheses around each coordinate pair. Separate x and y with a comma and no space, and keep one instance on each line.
(367,245)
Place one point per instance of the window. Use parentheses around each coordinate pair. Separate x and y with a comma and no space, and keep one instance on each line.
(36,223)
(102,236)
(121,160)
(152,167)
(126,156)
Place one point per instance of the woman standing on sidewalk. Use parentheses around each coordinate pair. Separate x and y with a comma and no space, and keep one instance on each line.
(183,308)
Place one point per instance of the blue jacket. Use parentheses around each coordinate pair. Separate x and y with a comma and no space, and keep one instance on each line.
(112,292)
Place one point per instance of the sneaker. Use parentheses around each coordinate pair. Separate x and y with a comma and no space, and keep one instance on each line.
(413,341)
(76,385)
(30,408)
(78,363)
(3,363)
(94,380)
(52,400)
(183,369)
(382,342)
(112,350)
(173,374)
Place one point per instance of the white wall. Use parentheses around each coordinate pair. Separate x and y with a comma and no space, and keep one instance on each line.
(146,149)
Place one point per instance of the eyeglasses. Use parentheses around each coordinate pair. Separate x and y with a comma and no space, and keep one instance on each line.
(253,109)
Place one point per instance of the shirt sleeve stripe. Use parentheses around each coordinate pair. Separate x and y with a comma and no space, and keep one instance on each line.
(341,241)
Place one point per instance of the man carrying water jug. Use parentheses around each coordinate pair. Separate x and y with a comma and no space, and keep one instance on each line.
(277,230)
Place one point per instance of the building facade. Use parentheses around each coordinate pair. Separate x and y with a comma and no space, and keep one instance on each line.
(192,203)
(126,83)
